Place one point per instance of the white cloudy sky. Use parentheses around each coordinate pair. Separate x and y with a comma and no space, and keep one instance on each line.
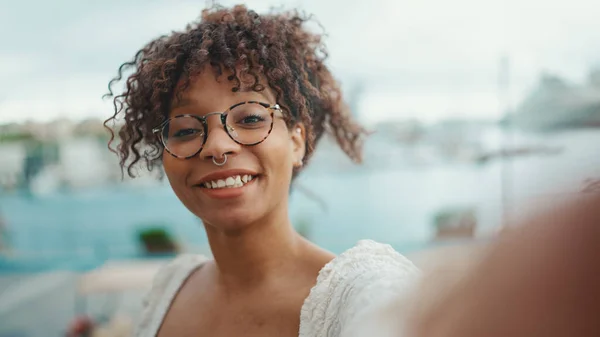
(427,59)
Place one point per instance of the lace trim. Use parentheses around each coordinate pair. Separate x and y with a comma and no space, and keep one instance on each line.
(353,284)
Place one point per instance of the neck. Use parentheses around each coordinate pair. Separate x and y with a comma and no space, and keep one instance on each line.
(257,253)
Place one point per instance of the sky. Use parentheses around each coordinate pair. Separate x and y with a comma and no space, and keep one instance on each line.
(418,59)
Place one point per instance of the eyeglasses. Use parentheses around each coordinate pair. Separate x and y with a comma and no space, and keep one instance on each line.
(247,123)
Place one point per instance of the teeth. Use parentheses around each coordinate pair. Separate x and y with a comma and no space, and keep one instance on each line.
(229,182)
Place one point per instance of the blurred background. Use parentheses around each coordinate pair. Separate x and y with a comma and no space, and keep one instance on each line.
(481,110)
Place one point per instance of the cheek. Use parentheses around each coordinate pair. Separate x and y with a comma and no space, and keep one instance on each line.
(277,154)
(175,169)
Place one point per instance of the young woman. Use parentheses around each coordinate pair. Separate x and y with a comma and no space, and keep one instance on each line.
(231,109)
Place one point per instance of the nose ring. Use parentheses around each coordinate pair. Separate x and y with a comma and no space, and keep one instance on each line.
(220,163)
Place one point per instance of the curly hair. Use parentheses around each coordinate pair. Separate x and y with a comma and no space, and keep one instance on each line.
(274,46)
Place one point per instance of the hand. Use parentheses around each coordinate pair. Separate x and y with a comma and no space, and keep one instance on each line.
(540,279)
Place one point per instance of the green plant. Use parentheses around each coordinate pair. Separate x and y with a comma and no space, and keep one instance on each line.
(157,239)
(11,137)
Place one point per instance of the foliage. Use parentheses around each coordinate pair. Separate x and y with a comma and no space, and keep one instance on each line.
(157,239)
(6,137)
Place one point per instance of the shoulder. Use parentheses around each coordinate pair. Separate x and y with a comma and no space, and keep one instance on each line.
(366,259)
(166,283)
(356,282)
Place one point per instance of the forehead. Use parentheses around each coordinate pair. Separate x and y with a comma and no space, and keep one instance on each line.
(208,92)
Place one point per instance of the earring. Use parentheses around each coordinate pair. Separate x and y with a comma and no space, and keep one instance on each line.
(298,130)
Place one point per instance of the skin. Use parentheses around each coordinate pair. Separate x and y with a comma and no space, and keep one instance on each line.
(262,269)
(541,279)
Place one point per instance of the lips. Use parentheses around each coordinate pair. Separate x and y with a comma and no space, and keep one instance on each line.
(226,179)
(229,182)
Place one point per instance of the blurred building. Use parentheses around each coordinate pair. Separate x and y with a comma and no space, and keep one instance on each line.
(556,104)
(44,157)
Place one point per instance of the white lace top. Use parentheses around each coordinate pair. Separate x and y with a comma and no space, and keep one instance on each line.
(353,285)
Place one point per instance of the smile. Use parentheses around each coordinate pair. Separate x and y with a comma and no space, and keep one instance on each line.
(229,182)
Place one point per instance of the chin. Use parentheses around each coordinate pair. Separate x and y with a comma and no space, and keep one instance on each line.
(230,221)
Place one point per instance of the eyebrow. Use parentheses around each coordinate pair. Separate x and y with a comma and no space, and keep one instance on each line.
(263,93)
(184,101)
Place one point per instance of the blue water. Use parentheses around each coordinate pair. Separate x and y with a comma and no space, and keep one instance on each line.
(80,230)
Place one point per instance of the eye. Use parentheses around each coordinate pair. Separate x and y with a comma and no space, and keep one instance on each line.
(251,119)
(186,132)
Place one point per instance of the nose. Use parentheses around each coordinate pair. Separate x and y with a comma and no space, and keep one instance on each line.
(218,141)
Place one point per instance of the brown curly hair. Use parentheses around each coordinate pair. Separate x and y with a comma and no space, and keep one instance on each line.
(274,46)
